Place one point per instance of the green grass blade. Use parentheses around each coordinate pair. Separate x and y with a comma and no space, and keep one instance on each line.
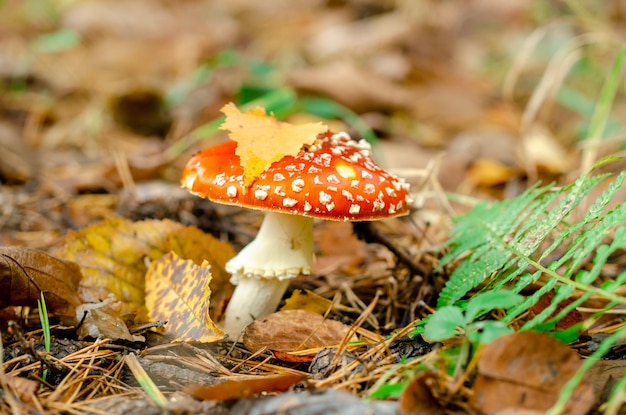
(45,327)
(602,112)
(144,380)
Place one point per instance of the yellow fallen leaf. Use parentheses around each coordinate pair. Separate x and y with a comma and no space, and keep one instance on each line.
(307,300)
(262,139)
(113,257)
(489,172)
(177,291)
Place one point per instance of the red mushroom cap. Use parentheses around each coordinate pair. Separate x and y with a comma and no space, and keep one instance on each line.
(334,179)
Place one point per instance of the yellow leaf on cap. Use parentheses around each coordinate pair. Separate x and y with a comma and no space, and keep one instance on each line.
(263,140)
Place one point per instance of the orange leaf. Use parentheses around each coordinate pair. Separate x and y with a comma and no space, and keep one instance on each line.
(262,140)
(112,256)
(290,331)
(25,273)
(244,388)
(178,291)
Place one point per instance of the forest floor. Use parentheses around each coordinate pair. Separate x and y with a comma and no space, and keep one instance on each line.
(102,103)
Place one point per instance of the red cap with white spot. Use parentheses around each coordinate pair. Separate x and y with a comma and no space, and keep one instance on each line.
(334,179)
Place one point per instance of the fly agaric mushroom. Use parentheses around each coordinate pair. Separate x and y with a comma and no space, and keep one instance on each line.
(334,179)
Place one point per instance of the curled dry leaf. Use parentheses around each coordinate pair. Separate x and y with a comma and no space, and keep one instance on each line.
(178,291)
(107,318)
(262,139)
(244,388)
(113,256)
(289,331)
(526,371)
(26,273)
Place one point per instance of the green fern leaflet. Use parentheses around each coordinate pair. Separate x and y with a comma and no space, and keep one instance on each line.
(545,232)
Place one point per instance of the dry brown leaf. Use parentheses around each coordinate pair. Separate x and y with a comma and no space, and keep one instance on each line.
(262,139)
(571,318)
(527,370)
(290,331)
(107,319)
(418,399)
(18,160)
(603,374)
(23,388)
(244,388)
(177,291)
(26,273)
(112,256)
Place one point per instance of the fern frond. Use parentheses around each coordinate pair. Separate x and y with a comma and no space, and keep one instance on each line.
(513,243)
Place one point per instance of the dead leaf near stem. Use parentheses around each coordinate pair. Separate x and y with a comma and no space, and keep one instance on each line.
(177,291)
(526,371)
(114,256)
(26,273)
(290,331)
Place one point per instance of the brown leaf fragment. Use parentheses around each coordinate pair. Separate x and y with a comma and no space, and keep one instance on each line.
(570,319)
(526,371)
(23,388)
(289,331)
(245,388)
(18,161)
(603,375)
(25,273)
(178,291)
(418,398)
(107,318)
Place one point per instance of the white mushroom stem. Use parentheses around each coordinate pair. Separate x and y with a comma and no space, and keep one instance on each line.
(253,298)
(282,250)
